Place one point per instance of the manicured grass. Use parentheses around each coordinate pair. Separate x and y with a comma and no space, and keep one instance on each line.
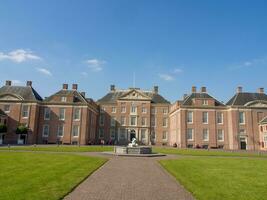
(210,178)
(42,176)
(204,152)
(60,148)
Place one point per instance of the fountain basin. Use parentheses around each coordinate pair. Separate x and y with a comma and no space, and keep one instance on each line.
(133,150)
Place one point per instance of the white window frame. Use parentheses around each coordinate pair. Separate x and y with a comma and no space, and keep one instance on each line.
(187,117)
(153,119)
(123,120)
(113,109)
(222,132)
(153,110)
(144,109)
(192,139)
(46,110)
(205,102)
(165,111)
(244,117)
(58,128)
(131,120)
(145,121)
(166,122)
(24,111)
(123,109)
(45,126)
(112,121)
(166,135)
(205,131)
(133,109)
(79,114)
(63,99)
(219,113)
(203,113)
(72,133)
(60,109)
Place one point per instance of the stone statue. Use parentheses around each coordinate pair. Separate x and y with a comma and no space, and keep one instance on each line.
(133,143)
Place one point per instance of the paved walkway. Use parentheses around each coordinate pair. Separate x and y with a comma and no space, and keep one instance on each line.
(130,178)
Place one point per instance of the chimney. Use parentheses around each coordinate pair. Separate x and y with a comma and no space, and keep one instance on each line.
(194,89)
(203,90)
(83,94)
(156,89)
(261,90)
(65,86)
(8,83)
(185,95)
(112,88)
(239,89)
(29,83)
(74,86)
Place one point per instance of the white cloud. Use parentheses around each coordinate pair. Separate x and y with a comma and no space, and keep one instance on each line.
(166,77)
(16,82)
(44,71)
(95,64)
(250,63)
(84,73)
(177,71)
(19,55)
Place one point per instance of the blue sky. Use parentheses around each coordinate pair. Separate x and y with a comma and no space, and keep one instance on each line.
(172,44)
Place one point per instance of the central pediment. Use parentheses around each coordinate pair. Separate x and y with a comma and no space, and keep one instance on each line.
(259,104)
(135,95)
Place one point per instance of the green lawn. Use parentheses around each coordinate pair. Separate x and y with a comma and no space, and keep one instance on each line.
(221,178)
(42,176)
(60,148)
(205,152)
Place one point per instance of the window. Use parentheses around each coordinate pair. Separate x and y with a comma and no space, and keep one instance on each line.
(204,102)
(164,135)
(143,134)
(45,130)
(133,109)
(122,134)
(153,121)
(205,135)
(102,109)
(220,135)
(265,140)
(123,120)
(75,130)
(153,135)
(6,108)
(123,109)
(205,117)
(143,122)
(144,110)
(60,131)
(133,121)
(220,118)
(101,133)
(77,114)
(112,133)
(189,117)
(101,119)
(241,117)
(63,99)
(165,122)
(25,111)
(165,111)
(190,134)
(47,114)
(61,113)
(113,121)
(153,110)
(113,109)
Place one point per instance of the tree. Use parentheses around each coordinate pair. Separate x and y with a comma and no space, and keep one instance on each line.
(22,129)
(3,128)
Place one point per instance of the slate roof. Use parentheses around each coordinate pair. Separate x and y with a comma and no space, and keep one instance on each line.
(112,97)
(240,99)
(26,92)
(188,101)
(264,121)
(77,96)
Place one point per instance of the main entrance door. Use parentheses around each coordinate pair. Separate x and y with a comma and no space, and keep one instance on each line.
(243,143)
(132,135)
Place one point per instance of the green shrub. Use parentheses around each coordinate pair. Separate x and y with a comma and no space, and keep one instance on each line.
(3,128)
(22,129)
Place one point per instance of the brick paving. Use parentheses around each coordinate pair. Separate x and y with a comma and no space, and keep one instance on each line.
(130,178)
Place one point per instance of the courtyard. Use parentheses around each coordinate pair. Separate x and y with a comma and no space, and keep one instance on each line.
(73,172)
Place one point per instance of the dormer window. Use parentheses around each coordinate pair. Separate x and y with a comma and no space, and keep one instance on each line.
(63,99)
(204,102)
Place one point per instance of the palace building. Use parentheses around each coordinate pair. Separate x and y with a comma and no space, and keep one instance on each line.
(134,113)
(197,121)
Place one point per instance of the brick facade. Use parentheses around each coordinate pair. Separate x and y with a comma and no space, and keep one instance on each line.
(197,121)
